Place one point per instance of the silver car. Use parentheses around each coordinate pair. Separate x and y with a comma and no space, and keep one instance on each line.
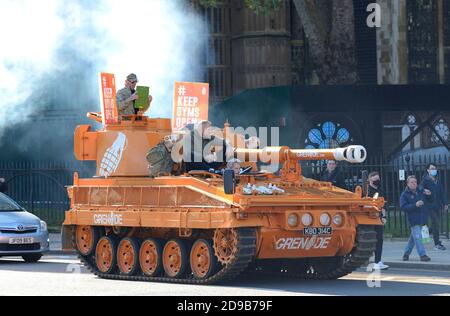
(21,233)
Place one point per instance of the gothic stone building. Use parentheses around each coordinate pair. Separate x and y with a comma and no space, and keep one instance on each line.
(412,47)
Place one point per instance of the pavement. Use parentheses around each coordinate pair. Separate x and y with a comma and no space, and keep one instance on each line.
(393,250)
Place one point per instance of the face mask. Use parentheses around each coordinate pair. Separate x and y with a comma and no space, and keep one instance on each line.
(377,183)
(433,173)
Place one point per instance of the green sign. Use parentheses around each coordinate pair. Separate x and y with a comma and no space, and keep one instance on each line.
(143,93)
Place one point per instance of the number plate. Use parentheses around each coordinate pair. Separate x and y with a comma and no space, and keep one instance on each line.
(21,241)
(314,231)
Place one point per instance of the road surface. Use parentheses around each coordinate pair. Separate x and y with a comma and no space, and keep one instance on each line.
(62,275)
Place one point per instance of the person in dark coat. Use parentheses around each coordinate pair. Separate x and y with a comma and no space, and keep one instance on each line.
(374,188)
(3,185)
(206,150)
(412,202)
(432,185)
(333,175)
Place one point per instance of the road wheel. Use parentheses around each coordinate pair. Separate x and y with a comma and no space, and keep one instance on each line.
(175,258)
(150,257)
(105,255)
(32,258)
(226,245)
(86,238)
(128,256)
(203,260)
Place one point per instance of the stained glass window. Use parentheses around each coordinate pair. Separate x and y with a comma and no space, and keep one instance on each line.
(328,135)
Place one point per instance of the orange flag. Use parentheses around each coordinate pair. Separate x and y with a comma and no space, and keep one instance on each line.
(108,99)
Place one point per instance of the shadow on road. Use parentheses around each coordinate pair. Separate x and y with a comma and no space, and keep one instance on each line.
(339,287)
(46,265)
(356,285)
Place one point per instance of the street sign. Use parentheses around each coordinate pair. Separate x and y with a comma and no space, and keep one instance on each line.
(402,175)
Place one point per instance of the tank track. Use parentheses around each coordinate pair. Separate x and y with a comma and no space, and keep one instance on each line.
(365,246)
(246,254)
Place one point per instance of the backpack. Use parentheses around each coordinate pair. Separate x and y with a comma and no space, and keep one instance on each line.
(160,161)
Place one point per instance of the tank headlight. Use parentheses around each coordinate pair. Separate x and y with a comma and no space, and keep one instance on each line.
(338,220)
(307,220)
(325,219)
(293,220)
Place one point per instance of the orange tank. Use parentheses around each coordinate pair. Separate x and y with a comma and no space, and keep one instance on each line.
(202,228)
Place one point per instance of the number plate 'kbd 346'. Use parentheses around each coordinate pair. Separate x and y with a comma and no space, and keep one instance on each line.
(315,231)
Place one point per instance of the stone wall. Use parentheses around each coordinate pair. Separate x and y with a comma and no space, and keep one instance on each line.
(392,43)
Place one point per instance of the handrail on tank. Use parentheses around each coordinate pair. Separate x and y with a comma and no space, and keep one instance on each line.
(351,154)
(98,117)
(95,116)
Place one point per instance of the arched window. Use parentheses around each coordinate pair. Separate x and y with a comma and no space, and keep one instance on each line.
(410,125)
(441,127)
(328,135)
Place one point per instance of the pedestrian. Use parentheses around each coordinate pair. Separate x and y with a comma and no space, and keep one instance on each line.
(333,175)
(373,190)
(126,97)
(3,185)
(432,185)
(412,202)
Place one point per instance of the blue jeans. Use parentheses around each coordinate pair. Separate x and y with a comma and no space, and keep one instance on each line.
(415,240)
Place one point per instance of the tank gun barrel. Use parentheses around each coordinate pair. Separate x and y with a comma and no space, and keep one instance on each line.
(351,154)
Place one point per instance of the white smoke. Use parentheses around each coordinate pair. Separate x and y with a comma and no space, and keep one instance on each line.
(53,50)
(29,36)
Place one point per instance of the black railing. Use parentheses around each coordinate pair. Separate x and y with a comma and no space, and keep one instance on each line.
(40,187)
(393,183)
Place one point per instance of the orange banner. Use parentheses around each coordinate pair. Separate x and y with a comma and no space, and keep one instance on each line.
(108,99)
(190,105)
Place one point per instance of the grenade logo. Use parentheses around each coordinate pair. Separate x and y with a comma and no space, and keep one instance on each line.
(113,156)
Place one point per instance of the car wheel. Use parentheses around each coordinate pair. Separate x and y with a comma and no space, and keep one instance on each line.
(32,258)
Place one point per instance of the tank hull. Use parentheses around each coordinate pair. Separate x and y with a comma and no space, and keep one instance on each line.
(191,209)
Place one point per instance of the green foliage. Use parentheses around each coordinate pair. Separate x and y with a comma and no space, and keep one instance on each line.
(263,6)
(259,6)
(206,3)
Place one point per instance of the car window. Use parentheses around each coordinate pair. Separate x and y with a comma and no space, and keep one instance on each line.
(8,205)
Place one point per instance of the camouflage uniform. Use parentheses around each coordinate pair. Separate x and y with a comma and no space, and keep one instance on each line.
(160,161)
(125,108)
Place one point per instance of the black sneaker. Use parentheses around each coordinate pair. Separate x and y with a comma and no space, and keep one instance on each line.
(440,247)
(405,258)
(425,258)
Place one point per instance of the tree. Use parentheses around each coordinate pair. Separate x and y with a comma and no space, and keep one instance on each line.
(329,26)
(259,6)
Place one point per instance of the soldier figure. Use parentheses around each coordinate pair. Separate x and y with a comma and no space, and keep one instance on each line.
(126,97)
(235,165)
(208,151)
(160,158)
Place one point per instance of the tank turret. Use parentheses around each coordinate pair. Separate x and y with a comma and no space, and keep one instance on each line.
(120,150)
